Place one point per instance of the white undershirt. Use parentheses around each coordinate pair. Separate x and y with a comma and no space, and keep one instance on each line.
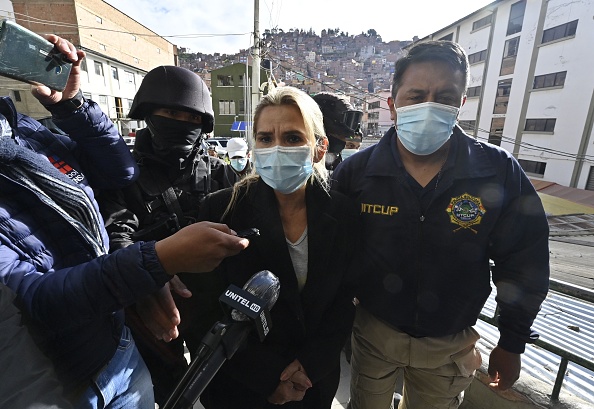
(299,257)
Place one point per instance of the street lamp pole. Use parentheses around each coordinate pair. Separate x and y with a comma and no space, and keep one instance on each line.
(256,60)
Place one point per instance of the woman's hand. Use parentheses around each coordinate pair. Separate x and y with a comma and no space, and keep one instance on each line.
(293,384)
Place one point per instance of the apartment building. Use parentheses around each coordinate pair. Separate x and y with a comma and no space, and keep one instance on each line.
(531,87)
(231,98)
(378,114)
(120,51)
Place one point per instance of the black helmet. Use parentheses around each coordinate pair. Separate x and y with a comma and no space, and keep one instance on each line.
(340,118)
(168,86)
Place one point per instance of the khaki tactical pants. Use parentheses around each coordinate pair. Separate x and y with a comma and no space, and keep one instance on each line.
(436,370)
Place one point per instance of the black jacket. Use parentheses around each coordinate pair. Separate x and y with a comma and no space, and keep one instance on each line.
(310,326)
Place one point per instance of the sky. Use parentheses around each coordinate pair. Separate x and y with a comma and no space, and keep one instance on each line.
(226,26)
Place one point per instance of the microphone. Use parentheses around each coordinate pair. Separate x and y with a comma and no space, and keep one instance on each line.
(250,305)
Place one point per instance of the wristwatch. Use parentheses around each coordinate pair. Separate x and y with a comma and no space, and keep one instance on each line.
(64,108)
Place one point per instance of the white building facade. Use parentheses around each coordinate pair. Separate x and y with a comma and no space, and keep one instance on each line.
(531,87)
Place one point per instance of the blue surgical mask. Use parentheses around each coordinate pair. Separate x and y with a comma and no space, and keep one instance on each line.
(284,169)
(424,128)
(346,153)
(238,164)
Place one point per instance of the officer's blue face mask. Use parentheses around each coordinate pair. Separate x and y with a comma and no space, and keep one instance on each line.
(424,128)
(238,164)
(284,169)
(347,153)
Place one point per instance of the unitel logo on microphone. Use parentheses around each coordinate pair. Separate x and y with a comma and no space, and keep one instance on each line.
(249,307)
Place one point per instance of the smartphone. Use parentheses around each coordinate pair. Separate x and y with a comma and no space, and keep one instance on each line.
(28,57)
(248,233)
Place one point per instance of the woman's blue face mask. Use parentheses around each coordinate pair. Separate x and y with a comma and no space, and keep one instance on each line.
(285,169)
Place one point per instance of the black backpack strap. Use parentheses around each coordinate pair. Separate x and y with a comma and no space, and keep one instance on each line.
(168,195)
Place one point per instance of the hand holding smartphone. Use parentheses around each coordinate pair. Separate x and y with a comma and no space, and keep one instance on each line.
(28,57)
(248,233)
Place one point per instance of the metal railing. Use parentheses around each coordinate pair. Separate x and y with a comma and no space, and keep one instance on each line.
(580,293)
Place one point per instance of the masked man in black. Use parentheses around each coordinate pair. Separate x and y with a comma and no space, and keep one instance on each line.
(341,123)
(175,176)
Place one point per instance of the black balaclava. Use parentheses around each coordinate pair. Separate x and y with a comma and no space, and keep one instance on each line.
(173,141)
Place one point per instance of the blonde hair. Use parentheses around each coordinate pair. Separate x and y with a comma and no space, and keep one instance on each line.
(314,128)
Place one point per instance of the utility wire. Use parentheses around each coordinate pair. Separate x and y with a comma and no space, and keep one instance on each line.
(31,19)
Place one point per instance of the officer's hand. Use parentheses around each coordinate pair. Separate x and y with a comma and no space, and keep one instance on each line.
(48,96)
(159,312)
(504,368)
(198,248)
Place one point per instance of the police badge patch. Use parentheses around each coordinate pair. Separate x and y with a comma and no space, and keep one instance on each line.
(466,211)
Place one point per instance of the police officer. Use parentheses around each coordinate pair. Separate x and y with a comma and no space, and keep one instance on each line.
(341,123)
(175,175)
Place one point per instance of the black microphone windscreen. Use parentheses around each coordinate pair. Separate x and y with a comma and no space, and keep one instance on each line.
(265,286)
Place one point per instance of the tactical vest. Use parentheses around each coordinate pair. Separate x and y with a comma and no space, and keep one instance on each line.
(163,207)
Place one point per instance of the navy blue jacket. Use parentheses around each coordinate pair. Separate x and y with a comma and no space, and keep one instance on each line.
(73,297)
(426,262)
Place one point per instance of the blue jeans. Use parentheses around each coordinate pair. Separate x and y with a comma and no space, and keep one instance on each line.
(125,383)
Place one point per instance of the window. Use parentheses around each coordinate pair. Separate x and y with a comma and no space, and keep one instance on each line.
(540,125)
(158,51)
(87,95)
(135,60)
(559,32)
(226,107)
(485,21)
(103,100)
(502,97)
(590,181)
(241,79)
(473,92)
(83,65)
(516,18)
(224,80)
(467,126)
(510,52)
(133,37)
(556,79)
(98,68)
(477,57)
(114,73)
(17,96)
(449,37)
(102,47)
(129,77)
(98,19)
(496,132)
(511,47)
(530,166)
(374,105)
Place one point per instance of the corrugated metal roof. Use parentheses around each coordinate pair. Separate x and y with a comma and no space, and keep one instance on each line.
(581,196)
(563,321)
(571,225)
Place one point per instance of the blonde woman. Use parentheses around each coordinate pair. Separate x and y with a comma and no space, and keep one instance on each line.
(306,239)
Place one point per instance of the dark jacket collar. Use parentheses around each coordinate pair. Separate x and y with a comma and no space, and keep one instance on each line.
(467,158)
